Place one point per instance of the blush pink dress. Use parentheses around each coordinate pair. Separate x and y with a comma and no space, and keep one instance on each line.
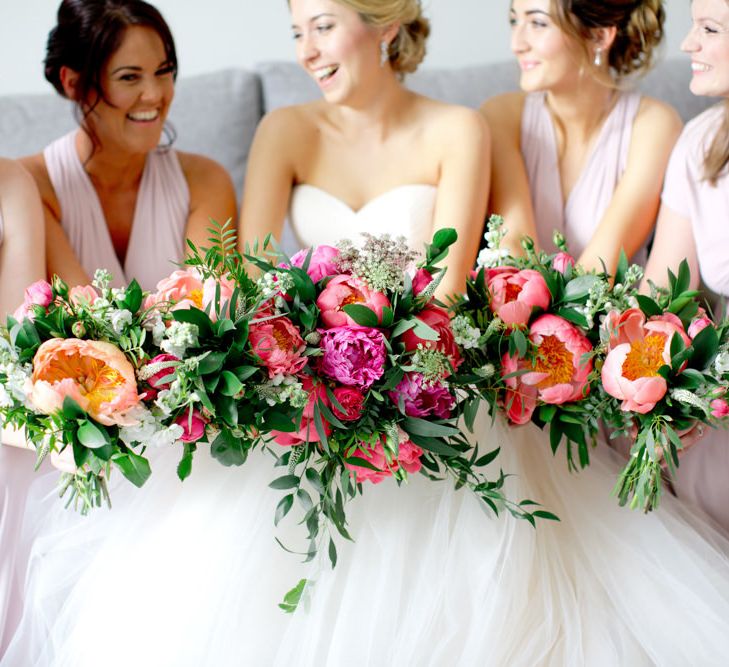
(578,217)
(703,476)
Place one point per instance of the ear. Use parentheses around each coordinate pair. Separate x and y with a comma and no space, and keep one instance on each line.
(69,81)
(390,32)
(603,38)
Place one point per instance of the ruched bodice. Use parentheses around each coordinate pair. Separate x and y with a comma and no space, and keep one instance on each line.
(318,217)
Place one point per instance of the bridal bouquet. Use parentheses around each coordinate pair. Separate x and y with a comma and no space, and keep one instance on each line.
(665,371)
(355,340)
(535,349)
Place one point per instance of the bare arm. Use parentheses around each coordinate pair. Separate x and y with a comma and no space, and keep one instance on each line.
(674,241)
(22,256)
(630,217)
(269,178)
(212,196)
(510,197)
(463,191)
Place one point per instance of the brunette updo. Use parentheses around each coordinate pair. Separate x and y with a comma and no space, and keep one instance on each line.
(407,49)
(88,33)
(639,25)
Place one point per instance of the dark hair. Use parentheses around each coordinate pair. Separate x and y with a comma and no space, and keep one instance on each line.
(639,25)
(87,34)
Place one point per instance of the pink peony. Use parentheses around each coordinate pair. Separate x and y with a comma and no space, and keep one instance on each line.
(352,400)
(83,295)
(307,428)
(439,320)
(209,288)
(182,289)
(421,399)
(279,345)
(344,290)
(699,323)
(161,378)
(193,425)
(353,356)
(421,280)
(408,458)
(561,261)
(323,262)
(40,293)
(96,375)
(637,349)
(719,408)
(557,374)
(515,295)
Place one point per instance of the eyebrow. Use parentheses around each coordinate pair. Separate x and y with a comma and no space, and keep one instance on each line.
(530,12)
(316,18)
(137,68)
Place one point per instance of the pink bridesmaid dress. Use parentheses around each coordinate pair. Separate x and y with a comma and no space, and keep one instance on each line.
(703,476)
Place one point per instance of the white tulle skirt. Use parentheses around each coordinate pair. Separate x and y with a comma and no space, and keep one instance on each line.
(189,574)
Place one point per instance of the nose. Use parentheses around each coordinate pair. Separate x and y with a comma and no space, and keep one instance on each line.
(152,90)
(308,47)
(690,43)
(518,38)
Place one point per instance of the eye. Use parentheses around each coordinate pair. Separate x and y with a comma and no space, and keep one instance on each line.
(709,30)
(128,77)
(324,28)
(296,35)
(538,23)
(164,71)
(512,22)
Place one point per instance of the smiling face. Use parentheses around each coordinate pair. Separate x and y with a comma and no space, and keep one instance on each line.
(336,48)
(547,57)
(708,44)
(138,85)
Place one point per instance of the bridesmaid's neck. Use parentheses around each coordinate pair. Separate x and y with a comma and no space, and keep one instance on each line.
(582,109)
(109,167)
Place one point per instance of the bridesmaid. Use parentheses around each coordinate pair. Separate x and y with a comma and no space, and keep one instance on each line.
(578,151)
(692,225)
(22,262)
(115,198)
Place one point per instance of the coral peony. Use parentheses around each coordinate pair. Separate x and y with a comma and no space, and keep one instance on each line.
(408,459)
(439,320)
(40,293)
(699,323)
(96,375)
(353,356)
(323,262)
(83,295)
(421,399)
(351,400)
(637,349)
(515,295)
(307,431)
(344,290)
(557,374)
(279,345)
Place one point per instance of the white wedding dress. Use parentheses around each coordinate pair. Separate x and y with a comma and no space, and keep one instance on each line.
(180,575)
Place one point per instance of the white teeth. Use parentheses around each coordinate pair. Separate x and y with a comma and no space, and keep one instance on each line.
(699,67)
(144,115)
(325,72)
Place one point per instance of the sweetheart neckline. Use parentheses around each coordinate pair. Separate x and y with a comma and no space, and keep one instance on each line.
(368,203)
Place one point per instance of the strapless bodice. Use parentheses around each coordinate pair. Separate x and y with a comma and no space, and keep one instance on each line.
(318,217)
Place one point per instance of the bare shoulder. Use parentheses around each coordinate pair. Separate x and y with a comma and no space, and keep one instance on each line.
(13,175)
(199,169)
(504,111)
(35,165)
(453,122)
(282,125)
(656,120)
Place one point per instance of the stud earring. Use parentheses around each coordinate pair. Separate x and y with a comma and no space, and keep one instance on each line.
(384,52)
(598,58)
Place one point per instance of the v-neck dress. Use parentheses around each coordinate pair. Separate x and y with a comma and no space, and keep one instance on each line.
(578,217)
(157,238)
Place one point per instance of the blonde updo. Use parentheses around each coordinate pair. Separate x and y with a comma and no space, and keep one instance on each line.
(639,27)
(407,50)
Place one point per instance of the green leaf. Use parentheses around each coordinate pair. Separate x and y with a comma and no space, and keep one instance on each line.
(72,410)
(422,330)
(197,317)
(91,436)
(434,445)
(243,373)
(303,284)
(283,508)
(648,305)
(683,281)
(520,342)
(211,363)
(401,327)
(417,426)
(487,458)
(285,482)
(332,553)
(184,467)
(362,315)
(134,467)
(578,289)
(274,420)
(227,408)
(305,499)
(229,450)
(388,317)
(133,298)
(362,463)
(705,346)
(622,268)
(543,514)
(231,385)
(315,480)
(293,597)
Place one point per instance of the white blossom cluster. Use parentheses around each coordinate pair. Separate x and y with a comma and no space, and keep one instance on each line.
(174,397)
(464,333)
(149,430)
(12,390)
(493,254)
(721,363)
(275,283)
(283,389)
(178,337)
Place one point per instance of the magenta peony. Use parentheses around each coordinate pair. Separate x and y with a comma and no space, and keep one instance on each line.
(421,280)
(344,290)
(352,400)
(162,378)
(353,356)
(719,408)
(40,293)
(422,399)
(323,262)
(279,346)
(515,295)
(193,425)
(561,261)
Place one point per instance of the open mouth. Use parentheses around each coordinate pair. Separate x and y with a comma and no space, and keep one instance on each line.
(699,67)
(144,116)
(324,74)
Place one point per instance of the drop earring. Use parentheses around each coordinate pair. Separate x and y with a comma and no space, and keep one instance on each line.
(598,58)
(384,53)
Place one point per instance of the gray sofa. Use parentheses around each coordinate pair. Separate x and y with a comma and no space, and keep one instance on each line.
(216,114)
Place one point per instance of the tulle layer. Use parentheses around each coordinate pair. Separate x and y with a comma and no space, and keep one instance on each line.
(190,574)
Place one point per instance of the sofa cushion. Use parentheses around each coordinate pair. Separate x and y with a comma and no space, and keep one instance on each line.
(213,114)
(286,83)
